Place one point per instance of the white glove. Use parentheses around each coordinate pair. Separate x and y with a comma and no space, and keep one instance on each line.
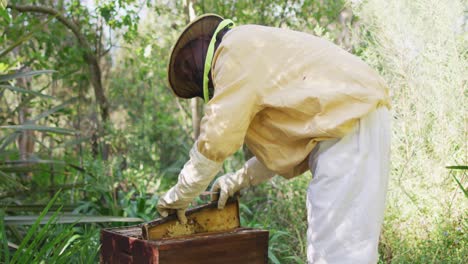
(252,173)
(193,180)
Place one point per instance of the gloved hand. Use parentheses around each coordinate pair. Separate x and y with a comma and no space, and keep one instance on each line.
(193,180)
(252,173)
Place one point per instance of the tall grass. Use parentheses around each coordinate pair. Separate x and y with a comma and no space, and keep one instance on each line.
(419,47)
(50,243)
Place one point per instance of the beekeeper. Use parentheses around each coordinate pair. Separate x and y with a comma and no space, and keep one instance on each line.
(299,102)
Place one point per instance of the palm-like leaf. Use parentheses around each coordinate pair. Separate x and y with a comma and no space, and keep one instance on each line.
(9,77)
(67,219)
(25,91)
(56,130)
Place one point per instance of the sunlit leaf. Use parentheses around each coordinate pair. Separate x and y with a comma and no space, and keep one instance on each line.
(32,161)
(461,186)
(68,219)
(32,230)
(12,245)
(69,241)
(39,128)
(25,91)
(3,238)
(273,258)
(9,77)
(458,167)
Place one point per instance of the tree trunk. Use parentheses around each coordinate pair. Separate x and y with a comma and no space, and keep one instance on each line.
(25,140)
(89,56)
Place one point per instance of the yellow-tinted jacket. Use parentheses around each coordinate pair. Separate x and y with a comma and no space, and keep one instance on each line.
(282,91)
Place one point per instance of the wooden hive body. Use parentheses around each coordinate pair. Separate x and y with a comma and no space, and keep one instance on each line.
(241,245)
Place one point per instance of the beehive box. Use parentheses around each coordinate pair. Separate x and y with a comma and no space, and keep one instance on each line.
(241,245)
(210,236)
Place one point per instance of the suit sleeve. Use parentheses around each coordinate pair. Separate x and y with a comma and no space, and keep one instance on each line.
(229,113)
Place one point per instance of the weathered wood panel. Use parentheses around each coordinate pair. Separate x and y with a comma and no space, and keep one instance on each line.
(243,245)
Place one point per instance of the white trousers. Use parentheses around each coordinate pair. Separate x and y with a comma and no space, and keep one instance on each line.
(346,197)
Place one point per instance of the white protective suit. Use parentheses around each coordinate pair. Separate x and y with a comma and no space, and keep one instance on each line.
(346,197)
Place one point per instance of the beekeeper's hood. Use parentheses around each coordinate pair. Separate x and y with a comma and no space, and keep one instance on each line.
(191,58)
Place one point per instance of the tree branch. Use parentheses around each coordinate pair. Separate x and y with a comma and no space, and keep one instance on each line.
(53,12)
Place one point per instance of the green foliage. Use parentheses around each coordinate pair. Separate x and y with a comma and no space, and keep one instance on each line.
(417,46)
(300,15)
(119,15)
(444,242)
(6,140)
(463,169)
(53,243)
(420,50)
(279,207)
(50,243)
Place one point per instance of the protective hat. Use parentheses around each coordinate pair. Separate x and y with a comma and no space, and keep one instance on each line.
(204,25)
